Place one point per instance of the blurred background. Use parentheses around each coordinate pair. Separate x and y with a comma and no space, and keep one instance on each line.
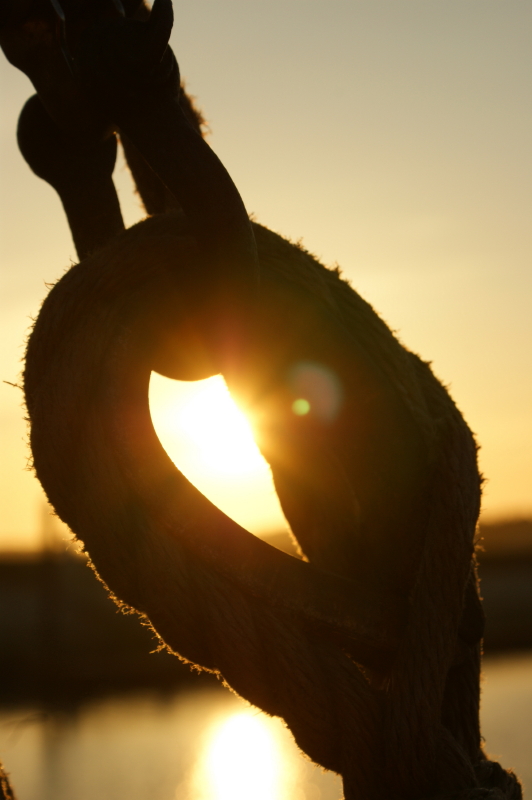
(393,138)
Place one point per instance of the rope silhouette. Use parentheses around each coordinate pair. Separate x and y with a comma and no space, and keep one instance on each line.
(369,649)
(408,730)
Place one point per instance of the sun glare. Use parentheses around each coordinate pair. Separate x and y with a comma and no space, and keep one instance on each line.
(208,420)
(220,430)
(211,441)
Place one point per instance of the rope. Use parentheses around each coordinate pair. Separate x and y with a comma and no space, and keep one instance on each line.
(6,792)
(407,728)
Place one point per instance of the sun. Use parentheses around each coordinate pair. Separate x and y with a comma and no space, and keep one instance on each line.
(211,441)
(203,418)
(220,430)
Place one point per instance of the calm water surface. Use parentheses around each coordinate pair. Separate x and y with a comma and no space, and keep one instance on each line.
(209,745)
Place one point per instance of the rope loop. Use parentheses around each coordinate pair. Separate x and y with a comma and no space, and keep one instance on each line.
(383,500)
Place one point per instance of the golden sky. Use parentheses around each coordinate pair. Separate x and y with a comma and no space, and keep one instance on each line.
(393,138)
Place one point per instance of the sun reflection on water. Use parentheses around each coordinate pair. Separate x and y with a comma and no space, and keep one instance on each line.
(247,755)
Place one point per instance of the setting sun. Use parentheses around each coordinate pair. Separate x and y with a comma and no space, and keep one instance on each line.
(213,423)
(211,441)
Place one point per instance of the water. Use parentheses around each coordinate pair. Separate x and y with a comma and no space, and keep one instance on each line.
(209,745)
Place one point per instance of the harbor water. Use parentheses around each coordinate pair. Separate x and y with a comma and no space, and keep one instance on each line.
(207,744)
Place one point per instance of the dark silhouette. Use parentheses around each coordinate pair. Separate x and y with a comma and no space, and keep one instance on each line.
(370,649)
(64,642)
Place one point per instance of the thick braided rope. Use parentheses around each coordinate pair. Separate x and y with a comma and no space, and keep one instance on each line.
(6,792)
(419,750)
(116,490)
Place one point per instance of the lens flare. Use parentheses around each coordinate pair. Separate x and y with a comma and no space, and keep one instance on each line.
(318,390)
(300,407)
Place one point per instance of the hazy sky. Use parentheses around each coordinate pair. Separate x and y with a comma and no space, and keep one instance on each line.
(394,138)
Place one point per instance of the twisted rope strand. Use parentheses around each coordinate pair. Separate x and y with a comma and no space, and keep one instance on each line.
(387,731)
